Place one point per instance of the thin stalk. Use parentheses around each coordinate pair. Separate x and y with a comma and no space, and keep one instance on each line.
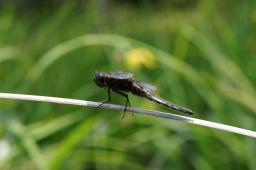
(165,115)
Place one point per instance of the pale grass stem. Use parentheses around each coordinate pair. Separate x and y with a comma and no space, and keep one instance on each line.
(166,115)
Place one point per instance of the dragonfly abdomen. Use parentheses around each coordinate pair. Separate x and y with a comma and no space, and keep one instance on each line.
(168,104)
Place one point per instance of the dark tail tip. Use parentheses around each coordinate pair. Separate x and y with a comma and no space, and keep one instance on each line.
(185,110)
(190,112)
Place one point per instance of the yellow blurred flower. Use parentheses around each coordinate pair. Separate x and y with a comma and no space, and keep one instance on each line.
(138,57)
(253,16)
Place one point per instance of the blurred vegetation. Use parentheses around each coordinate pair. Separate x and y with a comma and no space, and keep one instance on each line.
(200,54)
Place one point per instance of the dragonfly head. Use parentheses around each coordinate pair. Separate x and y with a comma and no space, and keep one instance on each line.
(100,80)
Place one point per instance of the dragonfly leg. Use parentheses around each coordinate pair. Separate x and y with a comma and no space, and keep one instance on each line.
(127,102)
(108,100)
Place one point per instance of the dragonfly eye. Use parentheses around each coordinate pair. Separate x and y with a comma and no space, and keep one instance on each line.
(100,81)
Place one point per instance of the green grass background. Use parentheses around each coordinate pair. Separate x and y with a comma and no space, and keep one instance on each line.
(204,59)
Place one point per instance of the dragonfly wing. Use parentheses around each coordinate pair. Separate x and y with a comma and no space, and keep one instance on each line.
(146,86)
(120,75)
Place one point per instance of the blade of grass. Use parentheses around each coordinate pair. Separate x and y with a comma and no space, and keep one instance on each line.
(71,140)
(60,50)
(28,143)
(43,129)
(245,92)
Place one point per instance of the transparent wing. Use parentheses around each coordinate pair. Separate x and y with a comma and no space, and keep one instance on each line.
(146,86)
(120,75)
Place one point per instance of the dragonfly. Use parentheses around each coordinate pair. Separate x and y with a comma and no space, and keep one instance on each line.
(123,82)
